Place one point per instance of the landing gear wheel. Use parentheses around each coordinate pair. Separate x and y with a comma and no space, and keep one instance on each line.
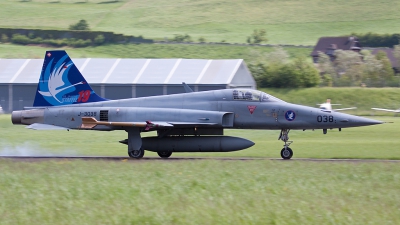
(164,154)
(136,154)
(286,153)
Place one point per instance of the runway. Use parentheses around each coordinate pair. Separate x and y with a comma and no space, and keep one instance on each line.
(172,159)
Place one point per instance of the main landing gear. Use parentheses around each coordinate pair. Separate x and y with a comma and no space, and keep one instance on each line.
(135,149)
(164,154)
(286,152)
(136,154)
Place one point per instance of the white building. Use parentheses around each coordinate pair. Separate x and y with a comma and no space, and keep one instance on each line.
(126,78)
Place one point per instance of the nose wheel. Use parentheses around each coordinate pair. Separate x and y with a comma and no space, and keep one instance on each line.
(286,152)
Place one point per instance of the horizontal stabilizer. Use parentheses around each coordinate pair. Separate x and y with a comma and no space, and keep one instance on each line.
(40,126)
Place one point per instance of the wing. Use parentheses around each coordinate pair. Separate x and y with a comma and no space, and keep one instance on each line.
(387,110)
(40,126)
(91,122)
(342,109)
(187,124)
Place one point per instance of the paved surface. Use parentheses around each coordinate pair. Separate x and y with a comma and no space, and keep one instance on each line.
(108,158)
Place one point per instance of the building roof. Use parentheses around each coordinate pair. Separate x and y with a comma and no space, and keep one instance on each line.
(389,54)
(325,44)
(134,71)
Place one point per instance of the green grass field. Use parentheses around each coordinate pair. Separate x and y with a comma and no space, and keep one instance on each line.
(199,192)
(286,22)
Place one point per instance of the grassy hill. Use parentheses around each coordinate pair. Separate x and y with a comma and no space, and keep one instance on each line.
(286,22)
(152,51)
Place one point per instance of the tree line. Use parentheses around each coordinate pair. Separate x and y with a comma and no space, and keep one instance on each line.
(378,40)
(276,69)
(348,68)
(358,69)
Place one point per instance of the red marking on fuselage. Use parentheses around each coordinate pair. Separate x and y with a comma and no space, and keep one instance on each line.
(251,108)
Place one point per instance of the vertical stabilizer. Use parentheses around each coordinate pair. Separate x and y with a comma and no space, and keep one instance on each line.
(61,83)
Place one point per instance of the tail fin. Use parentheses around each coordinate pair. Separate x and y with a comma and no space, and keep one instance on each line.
(61,83)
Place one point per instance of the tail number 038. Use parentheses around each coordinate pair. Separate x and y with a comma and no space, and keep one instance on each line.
(325,119)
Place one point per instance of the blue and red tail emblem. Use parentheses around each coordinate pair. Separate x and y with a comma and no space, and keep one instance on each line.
(61,83)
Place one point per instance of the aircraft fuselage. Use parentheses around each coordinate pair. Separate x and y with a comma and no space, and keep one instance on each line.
(201,107)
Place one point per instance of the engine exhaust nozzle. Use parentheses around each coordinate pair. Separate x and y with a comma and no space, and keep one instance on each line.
(16,117)
(27,117)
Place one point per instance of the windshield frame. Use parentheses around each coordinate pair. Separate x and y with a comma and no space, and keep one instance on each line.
(250,95)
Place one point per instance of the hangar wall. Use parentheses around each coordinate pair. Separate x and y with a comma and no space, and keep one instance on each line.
(126,78)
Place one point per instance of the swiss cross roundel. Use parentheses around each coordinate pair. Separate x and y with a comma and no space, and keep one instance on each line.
(290,115)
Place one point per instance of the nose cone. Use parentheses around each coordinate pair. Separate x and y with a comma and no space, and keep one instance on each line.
(357,121)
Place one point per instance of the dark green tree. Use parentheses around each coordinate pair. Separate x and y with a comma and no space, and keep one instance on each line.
(182,38)
(307,74)
(387,71)
(4,38)
(99,39)
(257,37)
(81,25)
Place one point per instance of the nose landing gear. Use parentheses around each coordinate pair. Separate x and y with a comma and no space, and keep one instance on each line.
(286,152)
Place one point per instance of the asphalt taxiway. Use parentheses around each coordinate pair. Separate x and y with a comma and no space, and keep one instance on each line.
(127,159)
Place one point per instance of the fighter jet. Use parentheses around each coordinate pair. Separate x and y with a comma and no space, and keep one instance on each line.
(327,106)
(187,122)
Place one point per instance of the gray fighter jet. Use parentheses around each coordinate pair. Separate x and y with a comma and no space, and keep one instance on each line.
(188,122)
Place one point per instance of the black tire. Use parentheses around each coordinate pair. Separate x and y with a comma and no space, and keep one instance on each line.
(164,154)
(136,154)
(286,153)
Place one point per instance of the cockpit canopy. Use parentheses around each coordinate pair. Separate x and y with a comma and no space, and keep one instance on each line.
(253,96)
